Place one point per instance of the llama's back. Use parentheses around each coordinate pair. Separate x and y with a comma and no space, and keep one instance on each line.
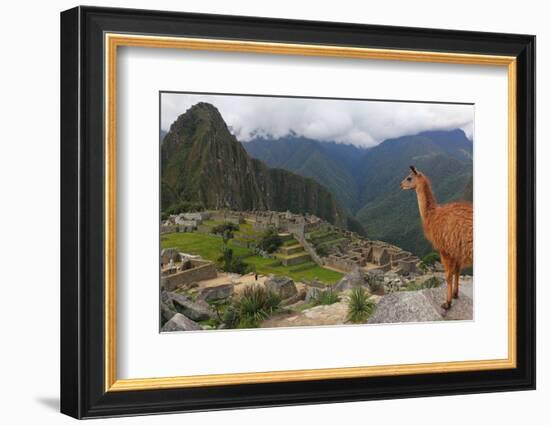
(450,229)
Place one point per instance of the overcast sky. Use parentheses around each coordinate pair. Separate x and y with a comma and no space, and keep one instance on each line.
(362,123)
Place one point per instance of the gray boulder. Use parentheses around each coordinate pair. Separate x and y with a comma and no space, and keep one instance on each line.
(298,297)
(461,308)
(166,299)
(314,283)
(421,306)
(166,313)
(406,306)
(167,308)
(180,323)
(312,294)
(214,293)
(281,285)
(199,310)
(352,280)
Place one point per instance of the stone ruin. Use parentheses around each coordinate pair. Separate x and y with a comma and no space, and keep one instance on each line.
(184,222)
(351,249)
(285,222)
(371,255)
(178,269)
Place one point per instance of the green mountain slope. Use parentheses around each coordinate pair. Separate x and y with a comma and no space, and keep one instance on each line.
(330,164)
(201,161)
(390,214)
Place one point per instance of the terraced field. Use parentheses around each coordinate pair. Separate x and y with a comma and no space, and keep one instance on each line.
(209,247)
(322,238)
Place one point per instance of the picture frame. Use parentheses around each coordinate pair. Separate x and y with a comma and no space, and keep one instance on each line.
(90,40)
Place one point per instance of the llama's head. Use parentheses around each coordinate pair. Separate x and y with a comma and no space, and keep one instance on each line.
(412,179)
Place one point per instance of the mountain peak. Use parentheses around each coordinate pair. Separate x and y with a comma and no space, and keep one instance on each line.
(201,161)
(199,113)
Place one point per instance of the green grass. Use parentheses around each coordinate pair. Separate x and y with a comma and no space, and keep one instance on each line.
(298,272)
(209,248)
(290,242)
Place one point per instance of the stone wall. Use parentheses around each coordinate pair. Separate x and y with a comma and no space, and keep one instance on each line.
(169,228)
(201,270)
(309,249)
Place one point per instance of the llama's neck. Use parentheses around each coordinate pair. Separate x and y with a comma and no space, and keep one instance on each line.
(426,198)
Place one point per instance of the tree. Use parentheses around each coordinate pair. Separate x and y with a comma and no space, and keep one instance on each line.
(232,264)
(226,231)
(271,241)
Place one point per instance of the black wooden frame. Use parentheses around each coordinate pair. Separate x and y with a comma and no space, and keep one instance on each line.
(82,212)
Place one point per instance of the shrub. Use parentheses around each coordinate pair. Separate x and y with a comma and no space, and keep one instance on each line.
(255,304)
(423,267)
(431,258)
(432,282)
(327,297)
(270,241)
(322,250)
(360,306)
(226,231)
(232,264)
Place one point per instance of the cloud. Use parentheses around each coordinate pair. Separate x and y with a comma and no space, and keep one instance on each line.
(362,123)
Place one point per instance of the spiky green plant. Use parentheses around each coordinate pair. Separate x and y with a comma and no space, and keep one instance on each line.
(326,297)
(360,306)
(254,305)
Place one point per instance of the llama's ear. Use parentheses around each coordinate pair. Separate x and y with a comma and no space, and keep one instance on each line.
(413,169)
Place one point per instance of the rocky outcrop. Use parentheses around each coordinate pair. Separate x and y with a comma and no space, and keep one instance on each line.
(180,323)
(322,315)
(421,306)
(199,310)
(352,280)
(167,308)
(282,286)
(312,294)
(215,293)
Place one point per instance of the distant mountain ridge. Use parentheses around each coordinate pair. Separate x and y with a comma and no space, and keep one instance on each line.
(366,181)
(332,165)
(202,161)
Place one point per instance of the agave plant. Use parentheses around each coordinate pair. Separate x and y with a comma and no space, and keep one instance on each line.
(255,304)
(360,306)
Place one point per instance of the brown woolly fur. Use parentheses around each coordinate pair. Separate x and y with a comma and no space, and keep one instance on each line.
(448,227)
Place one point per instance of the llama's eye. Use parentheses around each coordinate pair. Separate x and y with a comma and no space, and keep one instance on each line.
(409,179)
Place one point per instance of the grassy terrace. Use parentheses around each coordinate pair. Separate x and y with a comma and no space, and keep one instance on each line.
(209,247)
(290,242)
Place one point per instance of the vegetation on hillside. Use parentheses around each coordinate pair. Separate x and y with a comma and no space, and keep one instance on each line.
(270,241)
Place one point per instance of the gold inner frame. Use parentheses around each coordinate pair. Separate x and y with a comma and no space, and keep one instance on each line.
(113,41)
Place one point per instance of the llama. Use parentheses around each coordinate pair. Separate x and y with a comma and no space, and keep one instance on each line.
(448,227)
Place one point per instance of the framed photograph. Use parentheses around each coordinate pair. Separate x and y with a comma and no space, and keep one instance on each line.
(261,212)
